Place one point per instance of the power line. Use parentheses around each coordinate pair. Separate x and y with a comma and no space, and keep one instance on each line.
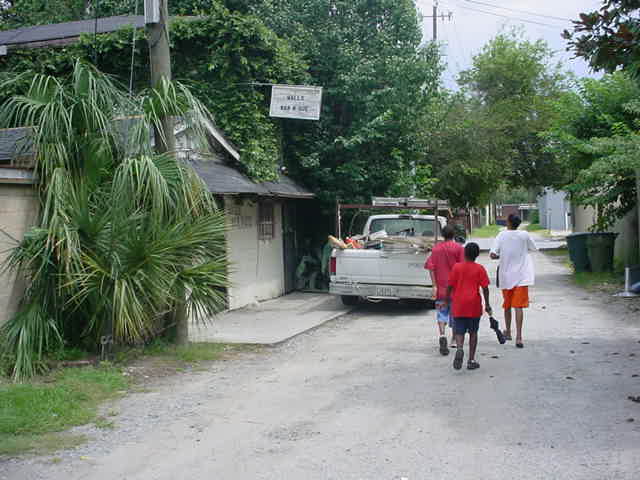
(510,17)
(519,11)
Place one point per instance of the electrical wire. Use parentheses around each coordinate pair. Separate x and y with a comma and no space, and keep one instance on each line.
(510,17)
(526,12)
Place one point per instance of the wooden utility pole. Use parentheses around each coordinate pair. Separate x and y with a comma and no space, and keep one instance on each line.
(157,18)
(435,16)
(160,64)
(435,21)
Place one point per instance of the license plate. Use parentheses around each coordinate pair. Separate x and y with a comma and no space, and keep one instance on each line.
(386,292)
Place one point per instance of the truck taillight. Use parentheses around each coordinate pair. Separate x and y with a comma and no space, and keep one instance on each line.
(332,266)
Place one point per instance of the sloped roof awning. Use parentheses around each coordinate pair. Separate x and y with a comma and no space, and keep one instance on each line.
(223,179)
(68,30)
(15,142)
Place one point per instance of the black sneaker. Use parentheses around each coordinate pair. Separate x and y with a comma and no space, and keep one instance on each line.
(444,350)
(457,361)
(472,365)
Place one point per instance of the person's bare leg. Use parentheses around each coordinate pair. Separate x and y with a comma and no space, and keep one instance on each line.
(441,328)
(473,344)
(519,321)
(459,356)
(507,322)
(453,333)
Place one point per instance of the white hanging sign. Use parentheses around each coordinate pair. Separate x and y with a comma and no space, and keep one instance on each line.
(289,101)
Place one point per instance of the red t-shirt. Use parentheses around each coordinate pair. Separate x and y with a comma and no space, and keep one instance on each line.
(442,259)
(466,279)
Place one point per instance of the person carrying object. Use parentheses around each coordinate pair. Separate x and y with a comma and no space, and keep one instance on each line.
(466,281)
(515,273)
(442,259)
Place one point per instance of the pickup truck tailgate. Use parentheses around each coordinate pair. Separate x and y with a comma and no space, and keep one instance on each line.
(403,268)
(360,266)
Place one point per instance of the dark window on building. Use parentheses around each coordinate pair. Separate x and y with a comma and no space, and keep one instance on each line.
(266,228)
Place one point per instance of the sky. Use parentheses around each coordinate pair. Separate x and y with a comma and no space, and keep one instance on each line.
(475,22)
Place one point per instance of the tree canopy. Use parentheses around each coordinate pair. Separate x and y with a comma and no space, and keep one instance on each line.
(595,139)
(608,38)
(515,80)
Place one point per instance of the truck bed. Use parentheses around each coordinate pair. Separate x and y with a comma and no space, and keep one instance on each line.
(392,273)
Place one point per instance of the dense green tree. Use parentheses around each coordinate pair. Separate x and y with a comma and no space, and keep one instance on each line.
(608,39)
(595,138)
(463,148)
(378,81)
(24,13)
(515,80)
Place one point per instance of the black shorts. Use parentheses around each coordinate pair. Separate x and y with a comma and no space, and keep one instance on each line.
(462,325)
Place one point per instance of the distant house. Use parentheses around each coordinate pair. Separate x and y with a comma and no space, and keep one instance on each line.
(554,209)
(523,210)
(558,213)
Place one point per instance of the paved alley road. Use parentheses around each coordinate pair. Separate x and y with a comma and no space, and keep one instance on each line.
(368,397)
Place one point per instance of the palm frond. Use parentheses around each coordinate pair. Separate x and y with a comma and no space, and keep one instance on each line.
(123,232)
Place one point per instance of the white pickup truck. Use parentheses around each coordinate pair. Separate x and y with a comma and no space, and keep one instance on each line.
(391,271)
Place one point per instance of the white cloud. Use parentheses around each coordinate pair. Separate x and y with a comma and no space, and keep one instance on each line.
(470,29)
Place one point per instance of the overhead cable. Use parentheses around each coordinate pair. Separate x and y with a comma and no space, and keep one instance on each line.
(527,12)
(510,17)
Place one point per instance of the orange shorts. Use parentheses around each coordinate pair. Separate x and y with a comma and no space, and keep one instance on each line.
(517,297)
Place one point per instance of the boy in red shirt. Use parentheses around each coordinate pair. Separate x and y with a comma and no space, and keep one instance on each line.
(465,282)
(442,259)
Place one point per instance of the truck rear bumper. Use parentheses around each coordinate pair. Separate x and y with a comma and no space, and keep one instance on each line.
(392,292)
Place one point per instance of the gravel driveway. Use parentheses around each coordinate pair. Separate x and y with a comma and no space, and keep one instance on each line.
(368,397)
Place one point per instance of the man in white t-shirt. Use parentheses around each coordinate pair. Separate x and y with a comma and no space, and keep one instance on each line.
(515,273)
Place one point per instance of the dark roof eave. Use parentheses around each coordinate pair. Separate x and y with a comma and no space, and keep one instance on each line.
(300,196)
(59,34)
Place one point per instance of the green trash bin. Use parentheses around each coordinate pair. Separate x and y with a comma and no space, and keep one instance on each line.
(601,248)
(577,244)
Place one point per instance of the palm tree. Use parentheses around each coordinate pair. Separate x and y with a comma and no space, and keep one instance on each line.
(123,232)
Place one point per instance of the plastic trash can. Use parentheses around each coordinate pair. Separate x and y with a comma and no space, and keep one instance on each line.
(577,244)
(601,248)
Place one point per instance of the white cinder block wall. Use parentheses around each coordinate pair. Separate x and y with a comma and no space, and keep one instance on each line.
(18,212)
(257,266)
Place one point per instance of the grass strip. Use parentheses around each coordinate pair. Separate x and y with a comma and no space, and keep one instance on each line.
(31,414)
(488,231)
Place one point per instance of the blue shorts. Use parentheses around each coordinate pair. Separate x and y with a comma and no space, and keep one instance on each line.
(443,313)
(463,325)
